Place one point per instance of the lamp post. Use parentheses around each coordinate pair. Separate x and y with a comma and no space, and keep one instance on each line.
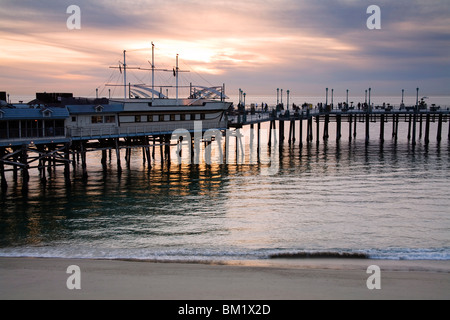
(287,107)
(332,98)
(417,99)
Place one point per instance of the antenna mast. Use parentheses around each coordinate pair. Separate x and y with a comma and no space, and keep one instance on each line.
(153,70)
(124,75)
(176,74)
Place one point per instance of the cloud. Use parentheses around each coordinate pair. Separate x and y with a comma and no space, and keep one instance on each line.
(257,44)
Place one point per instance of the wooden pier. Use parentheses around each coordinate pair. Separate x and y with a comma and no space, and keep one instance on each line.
(419,123)
(58,146)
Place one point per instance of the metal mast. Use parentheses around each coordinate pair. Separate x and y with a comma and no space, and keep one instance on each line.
(153,71)
(176,75)
(124,75)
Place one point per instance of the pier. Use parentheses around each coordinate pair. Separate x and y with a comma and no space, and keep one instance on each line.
(43,138)
(419,122)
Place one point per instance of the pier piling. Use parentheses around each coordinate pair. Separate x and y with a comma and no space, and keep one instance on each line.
(301,132)
(350,121)
(4,183)
(318,130)
(338,127)
(439,129)
(367,127)
(119,166)
(84,161)
(427,129)
(414,128)
(67,163)
(325,127)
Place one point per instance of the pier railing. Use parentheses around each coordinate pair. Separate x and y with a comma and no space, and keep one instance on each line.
(249,116)
(137,130)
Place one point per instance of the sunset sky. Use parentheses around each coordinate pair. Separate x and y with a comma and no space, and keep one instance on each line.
(257,45)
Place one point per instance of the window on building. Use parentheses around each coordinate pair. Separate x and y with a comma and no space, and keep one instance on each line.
(193,116)
(172,117)
(182,117)
(97,119)
(110,119)
(161,118)
(74,119)
(150,118)
(14,129)
(202,116)
(137,119)
(3,129)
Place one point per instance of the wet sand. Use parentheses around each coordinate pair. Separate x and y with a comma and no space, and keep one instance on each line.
(296,279)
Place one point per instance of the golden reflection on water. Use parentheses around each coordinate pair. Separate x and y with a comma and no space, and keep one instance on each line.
(331,195)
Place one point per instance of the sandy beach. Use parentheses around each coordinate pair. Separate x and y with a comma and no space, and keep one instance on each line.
(41,278)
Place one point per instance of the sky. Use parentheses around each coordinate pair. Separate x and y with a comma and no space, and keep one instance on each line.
(303,46)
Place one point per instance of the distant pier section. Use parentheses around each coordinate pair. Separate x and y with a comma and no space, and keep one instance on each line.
(419,119)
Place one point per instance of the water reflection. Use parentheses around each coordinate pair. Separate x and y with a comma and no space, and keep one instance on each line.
(333,194)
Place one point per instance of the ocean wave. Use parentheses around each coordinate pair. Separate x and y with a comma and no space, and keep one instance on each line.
(216,255)
(319,254)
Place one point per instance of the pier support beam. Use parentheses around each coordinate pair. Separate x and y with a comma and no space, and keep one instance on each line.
(427,129)
(318,130)
(259,137)
(439,130)
(395,121)
(325,127)
(448,120)
(414,128)
(367,128)
(292,131)
(41,165)
(382,128)
(350,122)
(67,164)
(167,147)
(128,153)
(83,160)
(338,127)
(147,152)
(310,129)
(281,131)
(409,127)
(119,166)
(420,126)
(104,159)
(24,160)
(273,126)
(161,149)
(4,183)
(301,133)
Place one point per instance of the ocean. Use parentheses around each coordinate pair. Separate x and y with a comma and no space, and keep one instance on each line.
(335,199)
